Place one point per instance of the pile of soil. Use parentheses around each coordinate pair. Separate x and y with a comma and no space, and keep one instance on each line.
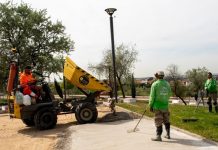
(120,114)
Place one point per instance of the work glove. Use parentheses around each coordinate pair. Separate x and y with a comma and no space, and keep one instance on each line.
(32,82)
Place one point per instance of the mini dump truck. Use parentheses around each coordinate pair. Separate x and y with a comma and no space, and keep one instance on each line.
(43,115)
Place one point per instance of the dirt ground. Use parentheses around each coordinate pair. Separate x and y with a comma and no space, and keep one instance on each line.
(14,135)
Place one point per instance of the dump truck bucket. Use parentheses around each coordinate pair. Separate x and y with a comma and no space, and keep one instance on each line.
(81,78)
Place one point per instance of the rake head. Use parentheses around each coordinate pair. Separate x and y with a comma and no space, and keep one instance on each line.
(132,130)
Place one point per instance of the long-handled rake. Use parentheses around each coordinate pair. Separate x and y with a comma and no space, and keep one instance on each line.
(136,129)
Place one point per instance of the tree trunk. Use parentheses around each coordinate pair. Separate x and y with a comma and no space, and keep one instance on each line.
(181,99)
(178,95)
(133,90)
(121,86)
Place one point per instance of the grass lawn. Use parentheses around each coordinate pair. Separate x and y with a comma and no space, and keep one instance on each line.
(206,126)
(3,102)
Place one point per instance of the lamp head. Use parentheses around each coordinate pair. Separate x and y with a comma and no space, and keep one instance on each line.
(110,11)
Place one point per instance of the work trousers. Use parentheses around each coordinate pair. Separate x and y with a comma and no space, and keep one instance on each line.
(212,96)
(160,117)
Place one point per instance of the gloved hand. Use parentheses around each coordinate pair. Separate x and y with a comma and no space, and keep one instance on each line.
(32,82)
(151,109)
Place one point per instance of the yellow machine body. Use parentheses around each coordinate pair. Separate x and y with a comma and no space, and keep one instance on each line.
(14,108)
(81,78)
(17,111)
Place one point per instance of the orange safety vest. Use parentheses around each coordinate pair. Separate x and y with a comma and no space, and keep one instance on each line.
(25,78)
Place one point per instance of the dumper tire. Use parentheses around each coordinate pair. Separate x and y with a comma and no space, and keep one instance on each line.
(86,113)
(45,119)
(28,122)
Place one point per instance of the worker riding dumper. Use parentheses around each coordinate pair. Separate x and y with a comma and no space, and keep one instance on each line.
(43,113)
(28,85)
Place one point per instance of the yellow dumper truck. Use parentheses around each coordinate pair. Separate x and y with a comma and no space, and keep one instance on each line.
(43,115)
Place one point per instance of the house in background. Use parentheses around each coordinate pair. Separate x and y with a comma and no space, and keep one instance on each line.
(147,81)
(144,82)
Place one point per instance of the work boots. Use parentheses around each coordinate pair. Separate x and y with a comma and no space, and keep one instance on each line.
(158,136)
(167,127)
(216,109)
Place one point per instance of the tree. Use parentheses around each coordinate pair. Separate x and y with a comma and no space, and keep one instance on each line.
(133,89)
(34,36)
(126,57)
(99,69)
(3,73)
(197,77)
(174,75)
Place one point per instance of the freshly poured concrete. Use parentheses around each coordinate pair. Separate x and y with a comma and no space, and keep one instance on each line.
(114,136)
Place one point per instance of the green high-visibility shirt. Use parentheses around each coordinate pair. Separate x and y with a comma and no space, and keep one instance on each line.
(210,85)
(159,95)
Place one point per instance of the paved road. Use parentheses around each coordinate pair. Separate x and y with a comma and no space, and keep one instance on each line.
(114,136)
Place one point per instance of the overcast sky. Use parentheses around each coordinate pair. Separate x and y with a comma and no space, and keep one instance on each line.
(180,32)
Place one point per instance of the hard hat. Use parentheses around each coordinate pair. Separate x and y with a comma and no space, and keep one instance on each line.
(160,73)
(28,67)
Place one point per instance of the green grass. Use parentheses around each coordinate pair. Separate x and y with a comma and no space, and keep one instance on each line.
(3,102)
(206,126)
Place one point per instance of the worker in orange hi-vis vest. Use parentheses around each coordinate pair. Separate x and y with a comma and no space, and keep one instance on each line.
(27,82)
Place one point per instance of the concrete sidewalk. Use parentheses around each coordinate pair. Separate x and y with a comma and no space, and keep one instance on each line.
(114,136)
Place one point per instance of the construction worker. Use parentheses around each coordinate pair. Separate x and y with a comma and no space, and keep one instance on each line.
(211,89)
(158,103)
(27,83)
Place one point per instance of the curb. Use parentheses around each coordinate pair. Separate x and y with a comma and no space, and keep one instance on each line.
(195,135)
(4,114)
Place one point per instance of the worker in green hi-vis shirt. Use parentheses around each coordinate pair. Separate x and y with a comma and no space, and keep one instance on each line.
(159,104)
(211,89)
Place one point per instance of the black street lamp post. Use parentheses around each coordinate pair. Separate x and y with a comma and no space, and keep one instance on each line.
(110,11)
